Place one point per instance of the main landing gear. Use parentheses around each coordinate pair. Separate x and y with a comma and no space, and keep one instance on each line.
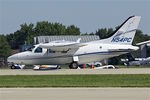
(73,65)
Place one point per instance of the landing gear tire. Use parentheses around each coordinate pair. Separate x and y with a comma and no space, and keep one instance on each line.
(58,67)
(12,67)
(73,65)
(98,65)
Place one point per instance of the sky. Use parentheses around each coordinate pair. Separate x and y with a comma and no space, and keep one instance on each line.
(88,15)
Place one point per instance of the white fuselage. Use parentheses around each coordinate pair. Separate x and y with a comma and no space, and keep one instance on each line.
(89,53)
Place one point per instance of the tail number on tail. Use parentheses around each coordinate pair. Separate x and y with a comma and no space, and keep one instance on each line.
(121,39)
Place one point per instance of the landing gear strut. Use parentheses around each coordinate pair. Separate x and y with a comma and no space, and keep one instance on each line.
(73,65)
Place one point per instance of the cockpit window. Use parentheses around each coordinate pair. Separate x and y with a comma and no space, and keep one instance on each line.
(31,48)
(38,50)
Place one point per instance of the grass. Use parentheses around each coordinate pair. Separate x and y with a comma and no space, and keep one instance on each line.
(123,80)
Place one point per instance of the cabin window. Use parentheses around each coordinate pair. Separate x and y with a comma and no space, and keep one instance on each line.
(38,50)
(64,51)
(50,51)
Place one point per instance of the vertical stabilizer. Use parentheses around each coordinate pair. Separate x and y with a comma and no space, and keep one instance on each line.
(125,33)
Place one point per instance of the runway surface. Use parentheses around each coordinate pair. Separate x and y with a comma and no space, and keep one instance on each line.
(74,93)
(75,71)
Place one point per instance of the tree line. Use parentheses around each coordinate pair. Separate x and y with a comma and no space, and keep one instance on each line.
(27,32)
(44,28)
(5,49)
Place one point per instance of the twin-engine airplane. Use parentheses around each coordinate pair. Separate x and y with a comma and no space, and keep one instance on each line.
(74,53)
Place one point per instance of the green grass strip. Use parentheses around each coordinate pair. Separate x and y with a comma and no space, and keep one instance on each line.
(117,80)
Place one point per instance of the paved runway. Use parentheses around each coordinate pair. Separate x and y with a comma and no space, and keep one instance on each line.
(74,93)
(75,71)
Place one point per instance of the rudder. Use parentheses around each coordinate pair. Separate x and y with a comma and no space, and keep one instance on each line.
(125,33)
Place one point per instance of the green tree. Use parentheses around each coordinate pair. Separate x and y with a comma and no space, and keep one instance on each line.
(140,37)
(72,30)
(43,28)
(28,31)
(104,32)
(58,29)
(26,34)
(22,36)
(5,50)
(46,28)
(11,40)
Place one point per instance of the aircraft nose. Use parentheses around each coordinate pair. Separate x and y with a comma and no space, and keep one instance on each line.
(12,58)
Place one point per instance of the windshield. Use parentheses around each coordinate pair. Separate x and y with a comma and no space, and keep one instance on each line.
(38,50)
(31,48)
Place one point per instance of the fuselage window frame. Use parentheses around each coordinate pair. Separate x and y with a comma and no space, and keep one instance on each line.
(51,51)
(38,50)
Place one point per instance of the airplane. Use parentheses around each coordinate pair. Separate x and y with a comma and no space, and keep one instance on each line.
(137,61)
(75,53)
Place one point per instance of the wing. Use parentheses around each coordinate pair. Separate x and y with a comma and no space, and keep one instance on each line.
(70,48)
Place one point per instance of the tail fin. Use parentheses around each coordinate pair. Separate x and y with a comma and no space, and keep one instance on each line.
(125,33)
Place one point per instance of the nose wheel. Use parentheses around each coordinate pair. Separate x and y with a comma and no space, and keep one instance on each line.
(73,65)
(12,67)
